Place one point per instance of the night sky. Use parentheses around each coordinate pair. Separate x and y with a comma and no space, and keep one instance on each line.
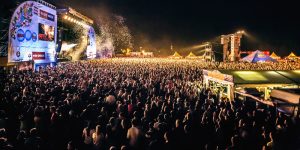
(156,24)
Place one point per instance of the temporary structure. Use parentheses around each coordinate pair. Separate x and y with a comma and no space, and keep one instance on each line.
(274,56)
(191,56)
(176,55)
(258,56)
(292,56)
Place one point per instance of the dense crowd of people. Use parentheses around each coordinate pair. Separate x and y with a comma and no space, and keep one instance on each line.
(284,65)
(135,104)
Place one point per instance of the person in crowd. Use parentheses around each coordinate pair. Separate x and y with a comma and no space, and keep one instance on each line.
(135,135)
(98,138)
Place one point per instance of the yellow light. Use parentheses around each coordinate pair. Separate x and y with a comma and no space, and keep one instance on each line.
(241,32)
(65,17)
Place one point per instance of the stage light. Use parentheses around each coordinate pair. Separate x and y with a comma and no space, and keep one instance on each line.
(65,17)
(240,32)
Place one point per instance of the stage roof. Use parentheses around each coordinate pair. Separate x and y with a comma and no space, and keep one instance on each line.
(264,77)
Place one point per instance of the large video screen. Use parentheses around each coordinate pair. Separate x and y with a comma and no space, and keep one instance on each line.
(46,32)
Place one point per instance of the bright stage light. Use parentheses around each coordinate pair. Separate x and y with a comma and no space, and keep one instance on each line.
(73,20)
(240,32)
(67,47)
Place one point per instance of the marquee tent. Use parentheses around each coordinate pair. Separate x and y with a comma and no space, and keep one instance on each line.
(292,56)
(258,56)
(274,56)
(176,55)
(191,56)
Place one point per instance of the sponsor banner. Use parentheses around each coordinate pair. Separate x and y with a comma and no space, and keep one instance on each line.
(34,36)
(38,55)
(28,35)
(20,35)
(46,15)
(32,29)
(35,10)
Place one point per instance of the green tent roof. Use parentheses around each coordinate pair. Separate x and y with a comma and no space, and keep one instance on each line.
(264,77)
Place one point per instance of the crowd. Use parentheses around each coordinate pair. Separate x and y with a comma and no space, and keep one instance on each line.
(133,104)
(284,65)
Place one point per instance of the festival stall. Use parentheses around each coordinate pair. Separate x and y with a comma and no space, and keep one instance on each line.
(219,83)
(286,100)
(147,54)
(142,54)
(235,81)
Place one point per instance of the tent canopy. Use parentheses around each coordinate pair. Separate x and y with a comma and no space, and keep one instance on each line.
(264,77)
(176,55)
(274,56)
(191,55)
(258,56)
(292,55)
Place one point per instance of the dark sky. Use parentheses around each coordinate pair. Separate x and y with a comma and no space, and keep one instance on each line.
(272,25)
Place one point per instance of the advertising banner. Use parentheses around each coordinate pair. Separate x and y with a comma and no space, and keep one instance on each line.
(32,33)
(38,55)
